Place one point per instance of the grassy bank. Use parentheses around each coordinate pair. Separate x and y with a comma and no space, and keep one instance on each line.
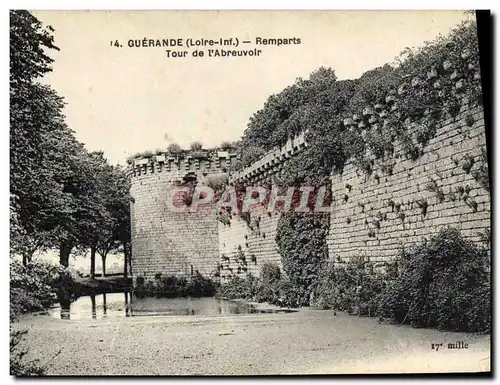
(442,283)
(100,285)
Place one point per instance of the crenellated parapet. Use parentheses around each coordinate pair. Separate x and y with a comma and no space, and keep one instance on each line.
(450,78)
(213,161)
(167,241)
(380,200)
(271,162)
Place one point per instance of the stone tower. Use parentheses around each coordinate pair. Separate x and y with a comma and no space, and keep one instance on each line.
(168,242)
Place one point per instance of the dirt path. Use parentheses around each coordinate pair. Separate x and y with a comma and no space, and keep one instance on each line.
(309,341)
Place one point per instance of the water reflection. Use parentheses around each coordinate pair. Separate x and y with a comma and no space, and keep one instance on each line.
(128,305)
(94,311)
(65,304)
(104,306)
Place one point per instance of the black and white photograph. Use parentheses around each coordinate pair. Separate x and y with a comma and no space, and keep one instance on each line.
(250,192)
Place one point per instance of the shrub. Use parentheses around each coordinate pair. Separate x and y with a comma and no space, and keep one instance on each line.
(38,285)
(33,288)
(290,295)
(18,365)
(140,281)
(22,301)
(218,183)
(353,288)
(270,272)
(239,288)
(443,283)
(268,289)
(271,287)
(172,286)
(200,286)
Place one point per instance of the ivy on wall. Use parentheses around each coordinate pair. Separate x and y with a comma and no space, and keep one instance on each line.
(301,240)
(404,103)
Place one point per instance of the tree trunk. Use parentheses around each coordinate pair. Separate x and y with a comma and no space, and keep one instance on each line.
(125,262)
(103,265)
(64,252)
(130,261)
(28,256)
(92,262)
(104,305)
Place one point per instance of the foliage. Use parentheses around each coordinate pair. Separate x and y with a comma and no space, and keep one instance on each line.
(19,366)
(38,285)
(432,186)
(481,173)
(44,171)
(301,240)
(308,103)
(290,295)
(227,146)
(196,146)
(31,39)
(353,288)
(372,87)
(172,286)
(410,99)
(270,272)
(271,287)
(60,193)
(250,154)
(421,88)
(140,155)
(443,283)
(174,148)
(239,288)
(217,183)
(108,218)
(36,122)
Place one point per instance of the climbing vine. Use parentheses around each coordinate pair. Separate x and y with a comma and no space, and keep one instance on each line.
(301,240)
(404,102)
(343,120)
(481,174)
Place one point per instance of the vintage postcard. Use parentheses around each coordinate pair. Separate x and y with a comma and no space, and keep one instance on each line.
(249,192)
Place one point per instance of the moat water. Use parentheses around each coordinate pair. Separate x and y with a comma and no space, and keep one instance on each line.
(115,305)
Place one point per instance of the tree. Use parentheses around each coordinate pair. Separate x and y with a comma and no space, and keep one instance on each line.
(196,146)
(121,213)
(174,148)
(117,202)
(35,120)
(97,223)
(28,41)
(62,196)
(227,146)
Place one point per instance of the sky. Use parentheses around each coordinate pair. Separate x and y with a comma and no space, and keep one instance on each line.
(124,100)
